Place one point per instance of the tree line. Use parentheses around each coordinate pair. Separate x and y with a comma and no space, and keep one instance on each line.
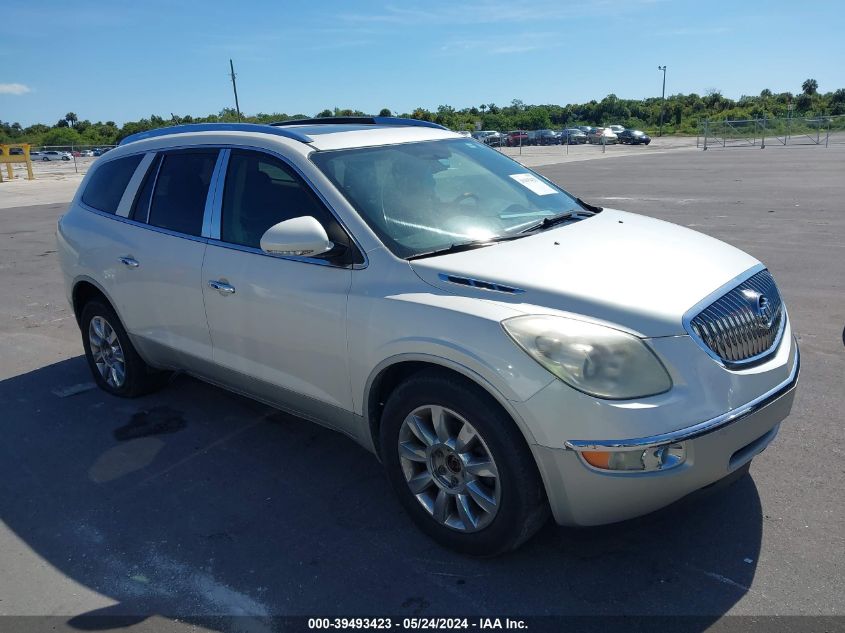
(681,114)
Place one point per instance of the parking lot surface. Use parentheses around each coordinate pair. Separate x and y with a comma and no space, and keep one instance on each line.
(197,502)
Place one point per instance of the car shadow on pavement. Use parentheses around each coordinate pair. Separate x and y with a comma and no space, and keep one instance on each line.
(194,502)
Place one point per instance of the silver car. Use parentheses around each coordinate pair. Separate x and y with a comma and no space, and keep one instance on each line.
(602,136)
(427,296)
(54,155)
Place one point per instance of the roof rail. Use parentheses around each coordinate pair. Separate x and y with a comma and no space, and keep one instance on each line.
(217,127)
(360,120)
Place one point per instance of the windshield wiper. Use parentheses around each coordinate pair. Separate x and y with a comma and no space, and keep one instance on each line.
(464,246)
(546,223)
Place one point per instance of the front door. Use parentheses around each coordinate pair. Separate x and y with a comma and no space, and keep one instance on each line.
(278,325)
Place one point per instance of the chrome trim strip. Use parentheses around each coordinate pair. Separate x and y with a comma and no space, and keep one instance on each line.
(697,430)
(211,215)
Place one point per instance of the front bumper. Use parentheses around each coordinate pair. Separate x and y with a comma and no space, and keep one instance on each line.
(582,495)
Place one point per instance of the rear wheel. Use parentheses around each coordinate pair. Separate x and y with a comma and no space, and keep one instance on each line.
(460,466)
(115,364)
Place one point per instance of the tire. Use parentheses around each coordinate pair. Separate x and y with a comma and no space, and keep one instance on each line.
(513,501)
(106,342)
(45,159)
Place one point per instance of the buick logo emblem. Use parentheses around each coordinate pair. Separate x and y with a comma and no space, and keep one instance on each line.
(761,307)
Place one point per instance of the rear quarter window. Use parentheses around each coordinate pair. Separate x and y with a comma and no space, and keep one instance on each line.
(105,189)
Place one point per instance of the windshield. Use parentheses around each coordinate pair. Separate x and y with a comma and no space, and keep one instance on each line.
(427,196)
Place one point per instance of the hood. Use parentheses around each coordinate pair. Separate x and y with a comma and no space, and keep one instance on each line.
(637,272)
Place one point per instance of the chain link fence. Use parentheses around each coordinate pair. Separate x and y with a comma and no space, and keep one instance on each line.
(59,161)
(822,131)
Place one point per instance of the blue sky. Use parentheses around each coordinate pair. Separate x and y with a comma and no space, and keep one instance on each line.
(120,61)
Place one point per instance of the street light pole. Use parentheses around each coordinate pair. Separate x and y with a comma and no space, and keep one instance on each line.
(663,104)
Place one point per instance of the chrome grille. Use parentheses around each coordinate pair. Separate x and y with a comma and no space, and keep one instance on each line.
(744,325)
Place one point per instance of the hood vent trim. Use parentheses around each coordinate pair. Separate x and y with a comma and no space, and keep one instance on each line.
(480,284)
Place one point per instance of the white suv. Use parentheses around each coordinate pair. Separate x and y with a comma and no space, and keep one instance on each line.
(503,347)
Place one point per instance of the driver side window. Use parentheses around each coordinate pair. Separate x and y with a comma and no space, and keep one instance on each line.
(261,191)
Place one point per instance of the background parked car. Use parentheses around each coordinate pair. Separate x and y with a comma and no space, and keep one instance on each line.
(516,138)
(548,137)
(86,152)
(54,155)
(586,129)
(493,138)
(634,137)
(616,129)
(488,137)
(602,135)
(572,136)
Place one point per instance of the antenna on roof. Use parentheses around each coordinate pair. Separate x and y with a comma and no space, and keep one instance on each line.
(235,88)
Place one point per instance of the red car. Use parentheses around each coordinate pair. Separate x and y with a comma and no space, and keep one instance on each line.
(516,138)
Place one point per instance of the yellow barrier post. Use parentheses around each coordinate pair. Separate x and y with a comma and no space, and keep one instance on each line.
(7,158)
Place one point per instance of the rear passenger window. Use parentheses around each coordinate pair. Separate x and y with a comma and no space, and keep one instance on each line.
(105,189)
(262,191)
(181,188)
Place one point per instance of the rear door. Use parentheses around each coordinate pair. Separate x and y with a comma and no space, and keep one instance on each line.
(158,275)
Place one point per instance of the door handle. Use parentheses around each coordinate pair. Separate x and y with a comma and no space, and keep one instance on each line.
(222,287)
(131,262)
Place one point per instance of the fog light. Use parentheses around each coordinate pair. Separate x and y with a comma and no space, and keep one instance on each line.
(650,459)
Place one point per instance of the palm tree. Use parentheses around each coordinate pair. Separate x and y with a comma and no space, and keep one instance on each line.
(810,86)
(71,118)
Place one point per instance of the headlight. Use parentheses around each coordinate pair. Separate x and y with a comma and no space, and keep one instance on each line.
(597,360)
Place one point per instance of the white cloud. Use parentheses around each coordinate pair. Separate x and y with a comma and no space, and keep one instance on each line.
(14,89)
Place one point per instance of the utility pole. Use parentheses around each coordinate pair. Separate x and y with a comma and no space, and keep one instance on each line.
(235,88)
(663,104)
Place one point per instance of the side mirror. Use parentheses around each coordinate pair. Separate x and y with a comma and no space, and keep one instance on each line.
(303,236)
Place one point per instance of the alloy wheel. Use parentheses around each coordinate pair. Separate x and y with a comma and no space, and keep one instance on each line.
(449,468)
(107,352)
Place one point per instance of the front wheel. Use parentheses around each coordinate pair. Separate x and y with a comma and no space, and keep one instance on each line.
(460,466)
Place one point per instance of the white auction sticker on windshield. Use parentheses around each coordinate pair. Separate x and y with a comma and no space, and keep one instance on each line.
(531,182)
